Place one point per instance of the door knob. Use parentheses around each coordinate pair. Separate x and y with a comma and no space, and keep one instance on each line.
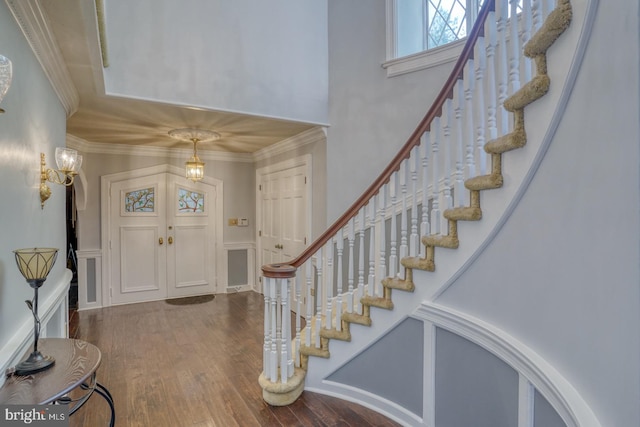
(170,240)
(161,240)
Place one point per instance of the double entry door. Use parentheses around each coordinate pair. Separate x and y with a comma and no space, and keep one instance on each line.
(162,238)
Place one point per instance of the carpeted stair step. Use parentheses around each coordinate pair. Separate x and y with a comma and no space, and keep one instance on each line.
(323,351)
(511,141)
(405,284)
(448,242)
(418,263)
(342,335)
(533,90)
(360,319)
(554,25)
(380,302)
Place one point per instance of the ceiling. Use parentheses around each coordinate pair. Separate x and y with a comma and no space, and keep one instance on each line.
(112,120)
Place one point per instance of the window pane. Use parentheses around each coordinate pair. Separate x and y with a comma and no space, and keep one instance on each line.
(140,200)
(447,22)
(190,201)
(410,29)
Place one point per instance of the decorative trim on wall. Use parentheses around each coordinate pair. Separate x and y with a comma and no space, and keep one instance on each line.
(133,150)
(32,20)
(537,372)
(54,315)
(310,136)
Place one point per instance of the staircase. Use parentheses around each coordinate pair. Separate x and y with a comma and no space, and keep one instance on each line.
(437,180)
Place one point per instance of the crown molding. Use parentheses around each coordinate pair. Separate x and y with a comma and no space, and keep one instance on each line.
(33,22)
(318,133)
(85,146)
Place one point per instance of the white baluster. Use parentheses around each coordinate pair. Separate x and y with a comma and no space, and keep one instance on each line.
(404,242)
(361,231)
(527,23)
(381,239)
(514,60)
(469,80)
(503,59)
(481,62)
(278,285)
(309,315)
(284,332)
(491,77)
(536,12)
(447,112)
(393,254)
(425,227)
(350,277)
(273,357)
(266,349)
(321,292)
(339,249)
(371,219)
(460,193)
(435,184)
(414,238)
(298,279)
(328,286)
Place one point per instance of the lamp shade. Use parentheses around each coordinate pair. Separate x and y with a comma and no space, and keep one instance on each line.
(68,160)
(35,263)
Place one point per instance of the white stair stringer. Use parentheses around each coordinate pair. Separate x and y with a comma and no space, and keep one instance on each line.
(519,166)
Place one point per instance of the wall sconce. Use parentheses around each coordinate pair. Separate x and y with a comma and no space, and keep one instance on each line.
(69,163)
(35,265)
(194,168)
(6,73)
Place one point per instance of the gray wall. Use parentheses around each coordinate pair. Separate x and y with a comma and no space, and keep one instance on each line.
(261,58)
(34,122)
(371,116)
(391,368)
(562,275)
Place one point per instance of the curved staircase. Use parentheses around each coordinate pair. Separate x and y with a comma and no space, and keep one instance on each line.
(360,260)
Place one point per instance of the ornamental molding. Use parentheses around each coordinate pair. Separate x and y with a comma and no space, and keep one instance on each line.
(33,21)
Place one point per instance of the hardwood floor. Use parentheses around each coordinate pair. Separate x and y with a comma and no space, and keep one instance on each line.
(194,365)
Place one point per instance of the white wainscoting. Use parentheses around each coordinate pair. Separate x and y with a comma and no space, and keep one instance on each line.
(54,315)
(534,371)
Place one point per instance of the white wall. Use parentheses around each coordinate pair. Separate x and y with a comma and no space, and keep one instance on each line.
(562,275)
(34,122)
(371,116)
(261,58)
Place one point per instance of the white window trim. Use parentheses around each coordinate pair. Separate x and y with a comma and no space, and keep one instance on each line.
(418,61)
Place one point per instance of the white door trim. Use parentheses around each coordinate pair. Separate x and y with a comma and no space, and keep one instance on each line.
(105,221)
(304,160)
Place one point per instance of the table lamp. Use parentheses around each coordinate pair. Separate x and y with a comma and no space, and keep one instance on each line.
(35,265)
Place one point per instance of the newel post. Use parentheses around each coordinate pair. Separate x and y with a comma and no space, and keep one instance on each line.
(281,382)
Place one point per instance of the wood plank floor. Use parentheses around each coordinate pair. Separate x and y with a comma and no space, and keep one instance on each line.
(194,365)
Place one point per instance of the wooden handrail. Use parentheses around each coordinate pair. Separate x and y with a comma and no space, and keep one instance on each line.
(286,270)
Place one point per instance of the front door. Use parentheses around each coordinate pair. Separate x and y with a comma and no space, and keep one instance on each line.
(162,238)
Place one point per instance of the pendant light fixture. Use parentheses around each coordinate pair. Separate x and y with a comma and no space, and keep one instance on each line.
(194,167)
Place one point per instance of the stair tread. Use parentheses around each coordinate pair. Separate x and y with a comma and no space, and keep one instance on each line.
(508,142)
(314,351)
(357,318)
(531,91)
(398,283)
(463,213)
(418,263)
(343,335)
(379,302)
(484,182)
(440,241)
